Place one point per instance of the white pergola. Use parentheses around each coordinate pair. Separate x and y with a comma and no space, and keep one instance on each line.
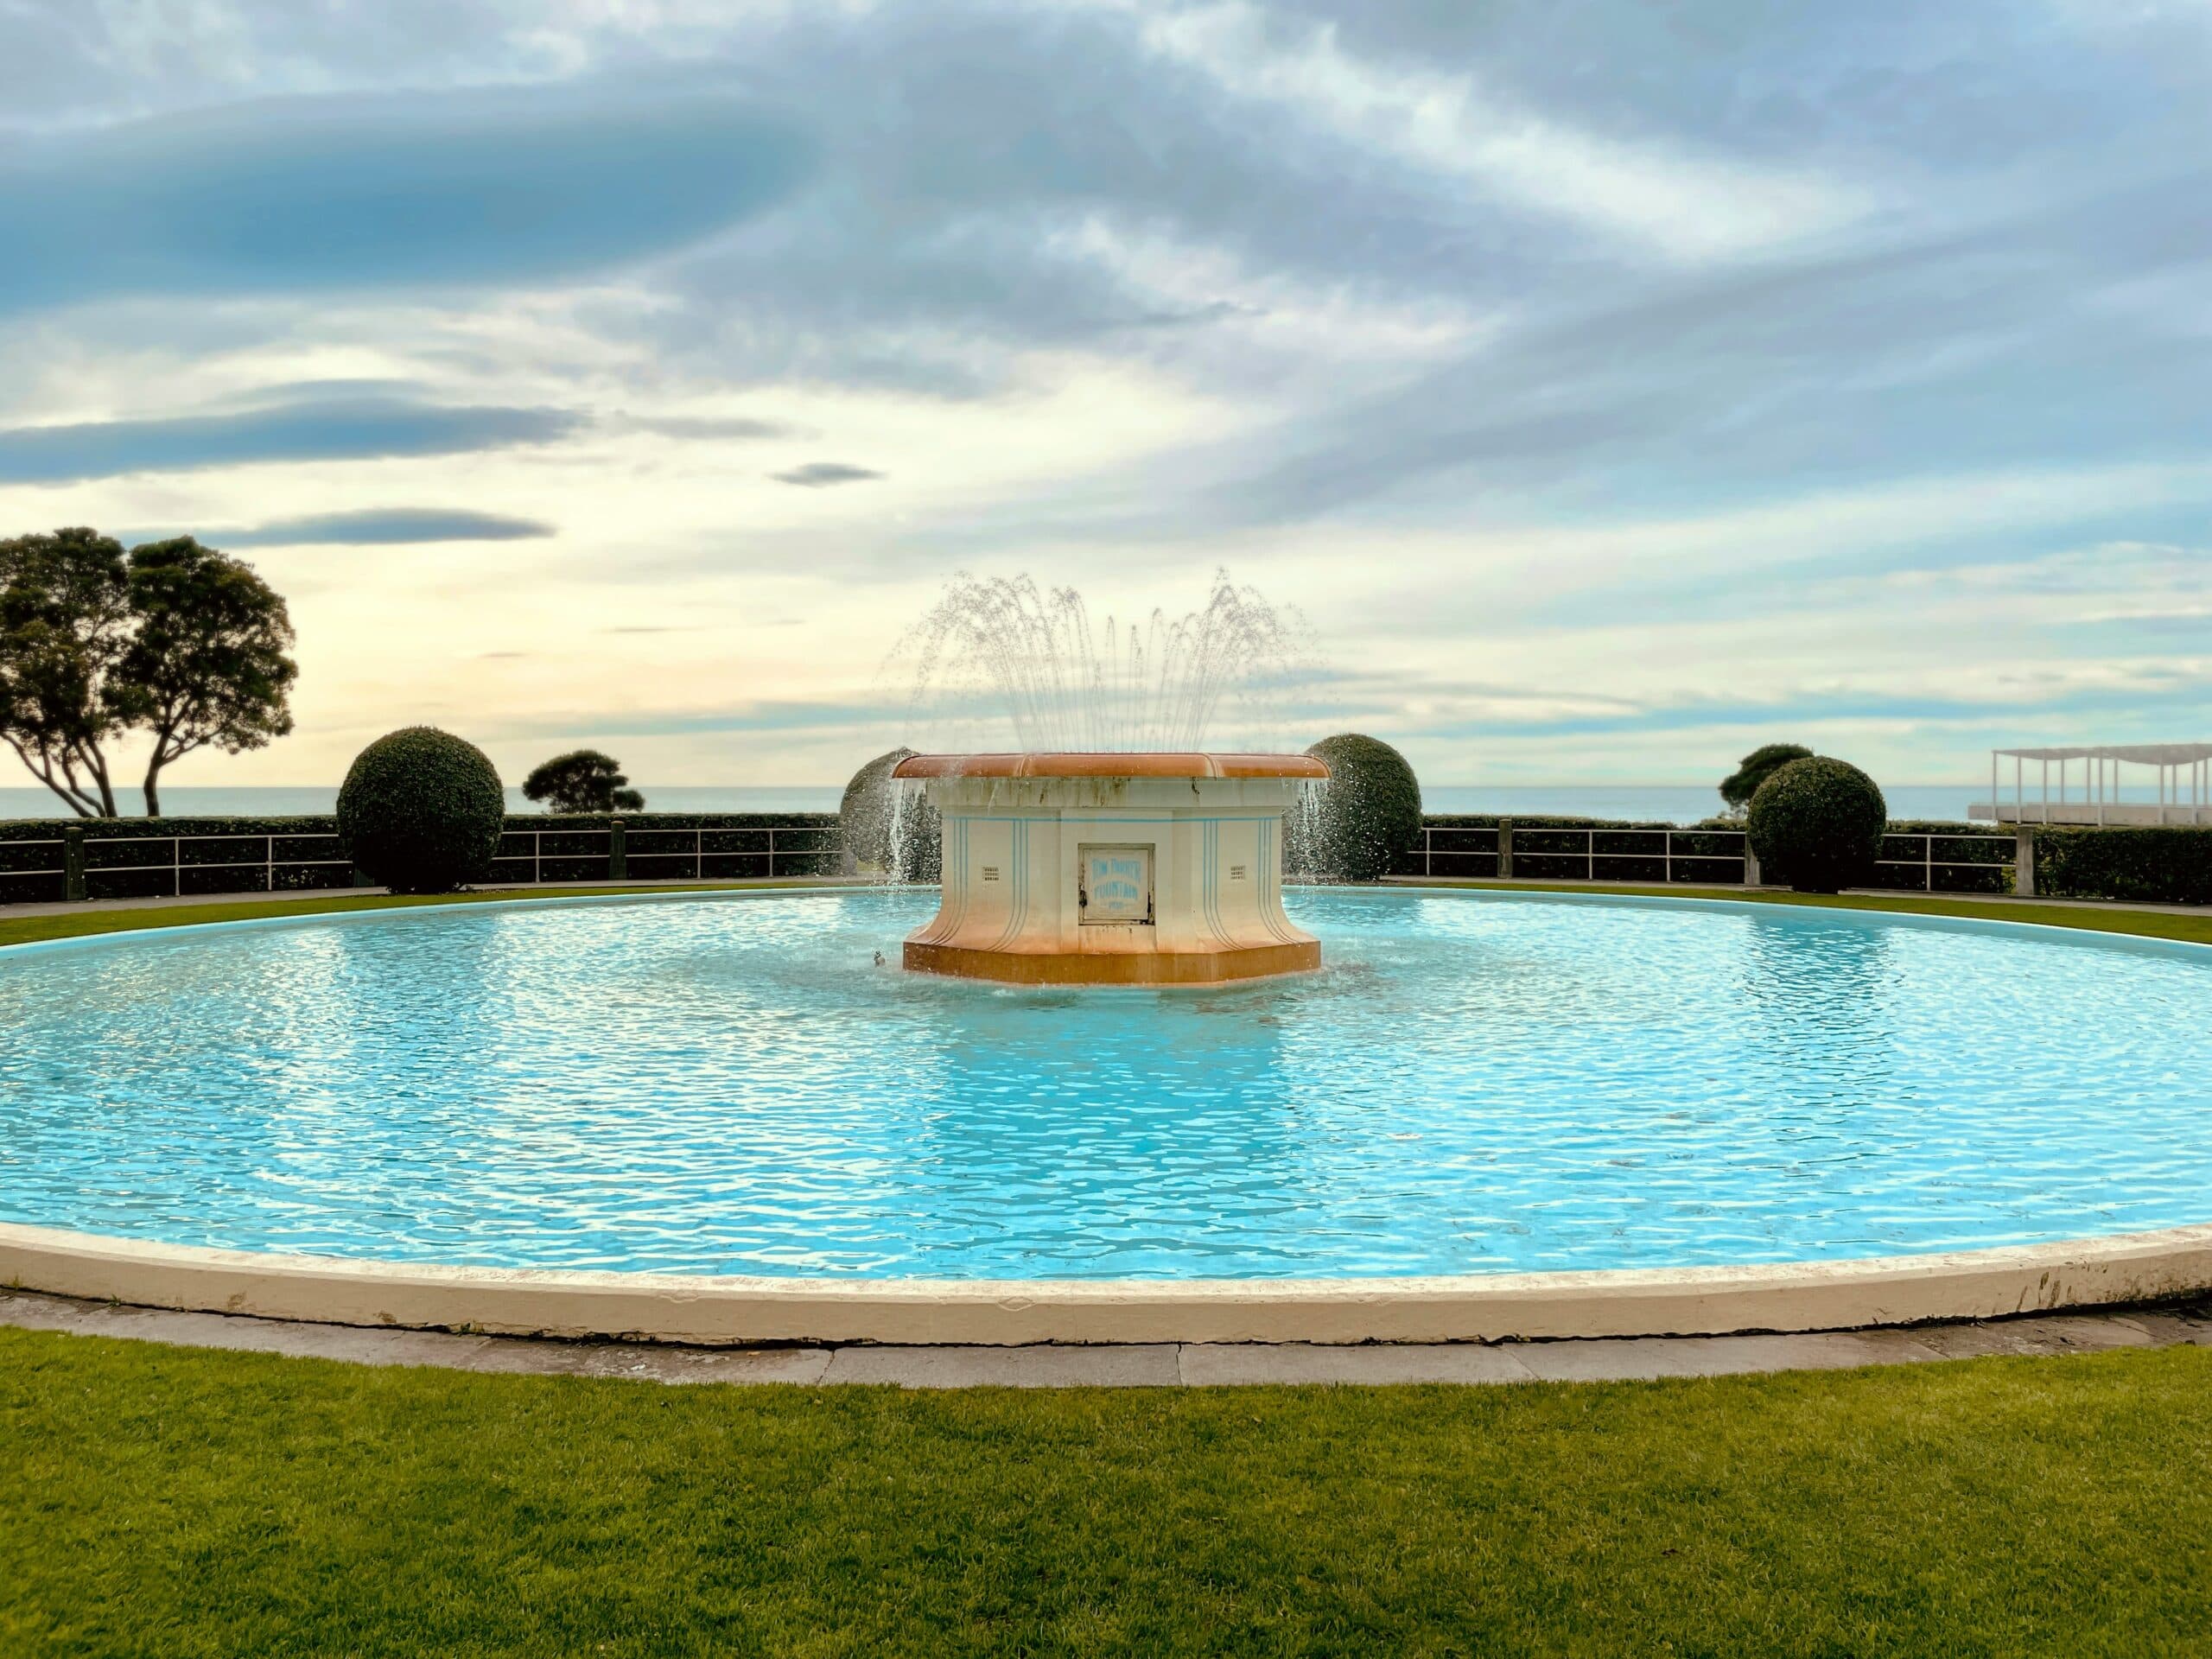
(2183,774)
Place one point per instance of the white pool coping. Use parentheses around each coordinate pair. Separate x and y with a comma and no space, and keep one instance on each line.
(1473,1308)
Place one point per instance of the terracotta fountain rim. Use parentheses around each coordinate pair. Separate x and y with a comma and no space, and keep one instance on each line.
(1047,764)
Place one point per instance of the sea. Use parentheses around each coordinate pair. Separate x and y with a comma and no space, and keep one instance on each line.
(1644,803)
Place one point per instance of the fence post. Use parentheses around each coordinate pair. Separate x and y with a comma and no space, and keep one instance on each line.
(73,861)
(176,867)
(1505,849)
(269,863)
(2024,862)
(1669,855)
(618,851)
(1589,855)
(1751,876)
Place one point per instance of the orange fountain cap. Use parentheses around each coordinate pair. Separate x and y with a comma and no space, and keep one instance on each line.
(1038,764)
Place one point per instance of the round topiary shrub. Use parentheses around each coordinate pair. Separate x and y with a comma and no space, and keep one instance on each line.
(421,811)
(888,828)
(1817,824)
(1366,817)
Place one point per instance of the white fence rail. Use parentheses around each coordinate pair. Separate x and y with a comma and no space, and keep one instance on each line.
(1671,856)
(636,852)
(77,867)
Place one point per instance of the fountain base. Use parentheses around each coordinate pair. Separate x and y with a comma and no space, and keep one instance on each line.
(1154,968)
(1112,869)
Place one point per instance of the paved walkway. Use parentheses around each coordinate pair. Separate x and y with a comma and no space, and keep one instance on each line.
(1127,1366)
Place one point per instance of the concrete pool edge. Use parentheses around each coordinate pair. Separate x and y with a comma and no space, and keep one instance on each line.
(2111,1271)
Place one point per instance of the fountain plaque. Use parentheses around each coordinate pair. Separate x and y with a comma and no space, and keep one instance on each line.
(1114,886)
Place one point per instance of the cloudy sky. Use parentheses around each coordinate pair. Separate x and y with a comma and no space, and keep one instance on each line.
(1612,386)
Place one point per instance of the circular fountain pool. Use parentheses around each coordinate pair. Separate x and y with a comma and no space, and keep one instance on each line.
(1477,1084)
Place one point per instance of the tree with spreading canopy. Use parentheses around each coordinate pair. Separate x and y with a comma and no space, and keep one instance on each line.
(208,668)
(1761,763)
(65,625)
(583,780)
(178,639)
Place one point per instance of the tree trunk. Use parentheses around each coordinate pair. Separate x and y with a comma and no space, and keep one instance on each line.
(96,763)
(42,769)
(161,757)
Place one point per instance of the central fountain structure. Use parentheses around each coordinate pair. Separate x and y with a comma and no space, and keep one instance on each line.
(1112,869)
(1109,847)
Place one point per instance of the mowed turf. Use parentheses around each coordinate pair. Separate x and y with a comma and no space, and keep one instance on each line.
(90,920)
(174,1502)
(2194,927)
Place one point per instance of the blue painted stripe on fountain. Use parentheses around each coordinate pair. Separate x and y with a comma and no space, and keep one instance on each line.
(1018,874)
(1270,888)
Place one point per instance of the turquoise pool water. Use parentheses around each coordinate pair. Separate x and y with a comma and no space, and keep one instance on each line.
(1476,1083)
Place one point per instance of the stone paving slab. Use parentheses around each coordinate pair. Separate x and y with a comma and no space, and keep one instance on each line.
(2049,1333)
(1132,1365)
(1119,1365)
(650,1362)
(1608,1359)
(356,1343)
(1215,1364)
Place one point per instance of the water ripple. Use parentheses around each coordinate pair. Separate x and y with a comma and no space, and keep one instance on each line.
(729,1085)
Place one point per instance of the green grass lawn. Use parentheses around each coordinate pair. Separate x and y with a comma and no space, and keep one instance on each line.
(2165,925)
(174,1502)
(79,924)
(2195,927)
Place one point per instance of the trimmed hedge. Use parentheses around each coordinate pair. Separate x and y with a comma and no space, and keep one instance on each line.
(1980,865)
(201,855)
(421,810)
(2172,865)
(1817,824)
(1365,815)
(210,857)
(1551,848)
(1465,844)
(669,846)
(219,856)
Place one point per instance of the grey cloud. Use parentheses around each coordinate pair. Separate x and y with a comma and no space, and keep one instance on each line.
(488,187)
(339,430)
(819,474)
(950,233)
(386,527)
(709,426)
(1957,353)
